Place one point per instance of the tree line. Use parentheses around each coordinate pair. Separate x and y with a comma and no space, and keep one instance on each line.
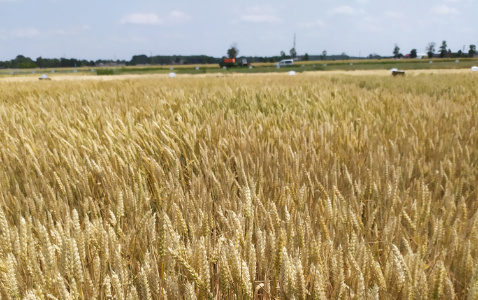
(443,51)
(22,62)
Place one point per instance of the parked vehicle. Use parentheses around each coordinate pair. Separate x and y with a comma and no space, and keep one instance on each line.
(396,72)
(231,62)
(285,62)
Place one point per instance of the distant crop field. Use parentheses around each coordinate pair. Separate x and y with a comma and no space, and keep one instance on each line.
(256,67)
(310,66)
(240,187)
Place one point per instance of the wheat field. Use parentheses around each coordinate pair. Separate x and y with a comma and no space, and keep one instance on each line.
(246,187)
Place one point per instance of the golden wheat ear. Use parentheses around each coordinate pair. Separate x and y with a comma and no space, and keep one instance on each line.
(321,185)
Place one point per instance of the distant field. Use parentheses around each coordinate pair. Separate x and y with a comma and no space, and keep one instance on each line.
(323,185)
(161,76)
(299,66)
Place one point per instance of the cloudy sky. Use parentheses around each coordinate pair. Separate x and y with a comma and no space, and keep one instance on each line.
(119,29)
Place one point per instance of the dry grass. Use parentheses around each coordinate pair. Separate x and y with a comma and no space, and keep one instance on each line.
(266,187)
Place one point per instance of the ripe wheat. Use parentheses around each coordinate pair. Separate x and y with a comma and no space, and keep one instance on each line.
(306,187)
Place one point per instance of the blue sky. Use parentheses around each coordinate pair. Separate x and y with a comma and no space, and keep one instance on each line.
(119,29)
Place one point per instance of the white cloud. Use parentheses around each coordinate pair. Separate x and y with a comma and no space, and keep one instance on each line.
(444,10)
(178,17)
(26,32)
(142,19)
(261,18)
(342,10)
(174,17)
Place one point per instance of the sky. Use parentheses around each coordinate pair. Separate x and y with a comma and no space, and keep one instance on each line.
(119,29)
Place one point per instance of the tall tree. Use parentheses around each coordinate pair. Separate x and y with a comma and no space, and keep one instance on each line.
(233,52)
(23,62)
(306,56)
(40,62)
(293,53)
(413,53)
(443,49)
(324,54)
(139,59)
(282,54)
(472,50)
(430,49)
(396,51)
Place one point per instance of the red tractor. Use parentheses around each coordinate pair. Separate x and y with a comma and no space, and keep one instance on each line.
(231,62)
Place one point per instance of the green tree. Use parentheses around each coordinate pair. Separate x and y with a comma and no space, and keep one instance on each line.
(41,62)
(396,51)
(443,49)
(139,60)
(472,50)
(233,52)
(282,54)
(306,56)
(413,53)
(430,49)
(324,54)
(293,53)
(23,62)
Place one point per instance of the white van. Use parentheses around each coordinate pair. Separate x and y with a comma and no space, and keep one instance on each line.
(285,62)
